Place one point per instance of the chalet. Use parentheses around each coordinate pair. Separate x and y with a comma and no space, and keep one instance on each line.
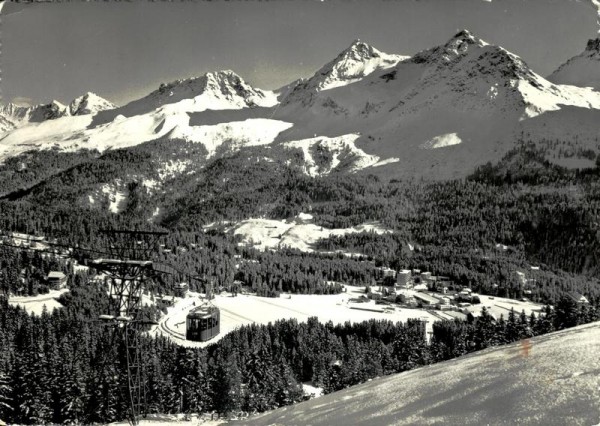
(441,287)
(420,287)
(165,301)
(578,298)
(180,289)
(403,277)
(56,279)
(387,272)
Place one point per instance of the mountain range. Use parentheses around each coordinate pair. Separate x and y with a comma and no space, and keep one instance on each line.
(435,115)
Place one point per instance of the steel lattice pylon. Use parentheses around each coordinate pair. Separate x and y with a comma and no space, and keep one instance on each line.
(128,270)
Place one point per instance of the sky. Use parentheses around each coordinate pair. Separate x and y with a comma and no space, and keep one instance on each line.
(124,50)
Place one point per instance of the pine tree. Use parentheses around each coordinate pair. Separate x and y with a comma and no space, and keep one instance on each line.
(288,390)
(566,313)
(410,347)
(485,330)
(5,397)
(225,384)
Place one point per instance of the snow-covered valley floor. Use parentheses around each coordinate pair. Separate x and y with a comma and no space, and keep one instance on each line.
(247,309)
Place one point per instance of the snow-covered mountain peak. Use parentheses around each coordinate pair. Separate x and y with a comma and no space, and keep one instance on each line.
(581,70)
(353,63)
(230,84)
(49,111)
(465,37)
(462,45)
(466,57)
(225,81)
(89,103)
(213,90)
(349,66)
(358,51)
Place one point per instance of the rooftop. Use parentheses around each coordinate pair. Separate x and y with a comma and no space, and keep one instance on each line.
(427,298)
(56,275)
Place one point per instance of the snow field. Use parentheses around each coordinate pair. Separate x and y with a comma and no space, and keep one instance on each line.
(35,304)
(266,234)
(248,309)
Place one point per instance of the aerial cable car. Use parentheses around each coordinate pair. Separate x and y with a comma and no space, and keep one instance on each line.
(203,323)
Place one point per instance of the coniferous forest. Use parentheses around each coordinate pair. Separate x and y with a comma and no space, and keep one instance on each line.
(55,368)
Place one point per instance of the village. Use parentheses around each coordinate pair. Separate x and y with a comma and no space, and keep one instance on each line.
(195,319)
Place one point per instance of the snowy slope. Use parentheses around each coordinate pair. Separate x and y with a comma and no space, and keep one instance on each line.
(582,70)
(549,380)
(299,233)
(323,155)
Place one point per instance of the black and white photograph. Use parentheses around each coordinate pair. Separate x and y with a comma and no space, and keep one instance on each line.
(300,212)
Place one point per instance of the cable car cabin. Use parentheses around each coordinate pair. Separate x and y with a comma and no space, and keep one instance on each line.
(203,323)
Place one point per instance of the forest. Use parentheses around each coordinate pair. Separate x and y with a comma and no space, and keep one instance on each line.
(524,214)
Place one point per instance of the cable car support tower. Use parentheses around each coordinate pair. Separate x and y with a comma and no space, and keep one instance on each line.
(128,269)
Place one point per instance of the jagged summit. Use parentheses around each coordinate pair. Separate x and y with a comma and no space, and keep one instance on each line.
(593,45)
(48,111)
(13,116)
(197,85)
(213,90)
(581,70)
(461,45)
(352,64)
(466,61)
(465,37)
(89,103)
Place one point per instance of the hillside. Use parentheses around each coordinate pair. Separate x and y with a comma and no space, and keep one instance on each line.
(549,380)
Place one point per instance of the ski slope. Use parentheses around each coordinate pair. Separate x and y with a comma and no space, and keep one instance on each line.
(548,380)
